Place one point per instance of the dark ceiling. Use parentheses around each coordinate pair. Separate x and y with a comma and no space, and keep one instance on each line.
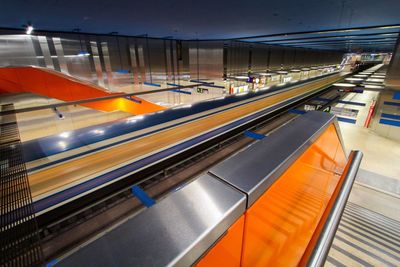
(222,19)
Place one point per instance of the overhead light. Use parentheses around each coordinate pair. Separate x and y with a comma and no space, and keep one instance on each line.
(375,80)
(241,77)
(354,79)
(83,54)
(29,29)
(265,74)
(344,84)
(372,86)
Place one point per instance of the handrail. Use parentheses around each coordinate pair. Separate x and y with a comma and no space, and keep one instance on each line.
(325,239)
(89,100)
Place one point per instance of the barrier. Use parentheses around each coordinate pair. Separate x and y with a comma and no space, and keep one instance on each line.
(272,204)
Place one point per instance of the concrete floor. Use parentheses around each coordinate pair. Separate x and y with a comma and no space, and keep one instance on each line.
(381,155)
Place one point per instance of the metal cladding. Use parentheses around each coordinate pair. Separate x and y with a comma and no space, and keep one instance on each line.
(112,61)
(208,219)
(256,168)
(393,74)
(175,231)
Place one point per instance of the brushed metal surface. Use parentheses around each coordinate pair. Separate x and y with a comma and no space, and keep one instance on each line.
(17,50)
(45,51)
(97,63)
(393,74)
(60,55)
(254,169)
(174,232)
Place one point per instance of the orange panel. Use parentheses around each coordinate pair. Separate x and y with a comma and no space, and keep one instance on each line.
(228,250)
(281,223)
(57,85)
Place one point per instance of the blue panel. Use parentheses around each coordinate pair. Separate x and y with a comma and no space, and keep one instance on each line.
(200,81)
(346,120)
(254,135)
(390,116)
(391,103)
(351,103)
(297,111)
(52,263)
(390,122)
(396,96)
(173,84)
(122,71)
(152,84)
(181,92)
(142,196)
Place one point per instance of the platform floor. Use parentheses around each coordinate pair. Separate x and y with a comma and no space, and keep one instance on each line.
(381,154)
(41,123)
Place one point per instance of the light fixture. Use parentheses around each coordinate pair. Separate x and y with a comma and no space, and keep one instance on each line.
(344,84)
(372,86)
(241,77)
(375,80)
(29,29)
(354,79)
(82,53)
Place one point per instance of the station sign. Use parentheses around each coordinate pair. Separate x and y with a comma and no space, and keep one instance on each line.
(310,107)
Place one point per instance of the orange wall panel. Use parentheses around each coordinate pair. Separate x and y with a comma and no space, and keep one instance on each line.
(227,252)
(281,223)
(57,85)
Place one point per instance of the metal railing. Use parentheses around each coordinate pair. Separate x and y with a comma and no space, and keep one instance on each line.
(328,231)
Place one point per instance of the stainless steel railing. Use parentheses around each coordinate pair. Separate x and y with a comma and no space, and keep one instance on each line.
(325,239)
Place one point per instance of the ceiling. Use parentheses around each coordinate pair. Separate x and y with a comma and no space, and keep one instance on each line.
(223,19)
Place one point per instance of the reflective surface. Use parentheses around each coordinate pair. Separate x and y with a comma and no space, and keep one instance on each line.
(281,223)
(115,61)
(255,169)
(175,231)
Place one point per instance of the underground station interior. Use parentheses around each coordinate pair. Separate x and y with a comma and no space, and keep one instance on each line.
(212,133)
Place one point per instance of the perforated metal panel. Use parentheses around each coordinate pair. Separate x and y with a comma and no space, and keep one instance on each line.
(19,238)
